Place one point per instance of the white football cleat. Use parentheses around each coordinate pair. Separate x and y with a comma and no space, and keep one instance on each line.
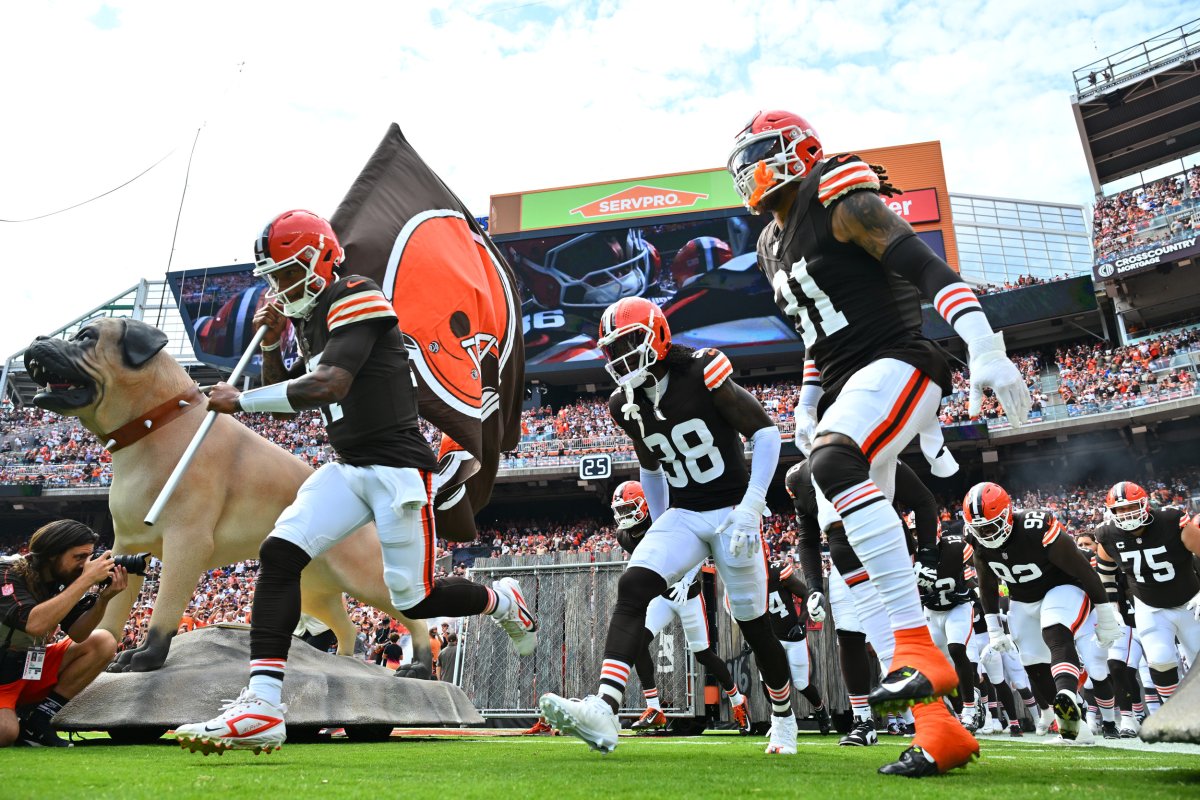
(1069,715)
(783,735)
(1129,726)
(1045,719)
(518,622)
(589,719)
(247,723)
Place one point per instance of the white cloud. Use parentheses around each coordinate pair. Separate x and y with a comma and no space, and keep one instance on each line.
(499,97)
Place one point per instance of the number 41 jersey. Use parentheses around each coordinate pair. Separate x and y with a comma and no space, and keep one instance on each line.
(700,451)
(1022,562)
(848,308)
(1158,564)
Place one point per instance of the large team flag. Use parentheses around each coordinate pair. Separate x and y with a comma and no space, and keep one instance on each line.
(459,311)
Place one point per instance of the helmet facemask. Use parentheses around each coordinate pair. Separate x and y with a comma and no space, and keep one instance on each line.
(1129,515)
(629,512)
(629,354)
(763,163)
(312,283)
(992,533)
(582,279)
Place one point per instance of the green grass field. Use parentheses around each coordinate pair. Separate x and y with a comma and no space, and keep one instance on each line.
(498,768)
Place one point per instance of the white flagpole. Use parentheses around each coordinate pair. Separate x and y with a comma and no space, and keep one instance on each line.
(186,459)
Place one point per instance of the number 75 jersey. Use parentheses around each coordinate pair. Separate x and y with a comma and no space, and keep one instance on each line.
(846,306)
(1157,563)
(701,453)
(1022,561)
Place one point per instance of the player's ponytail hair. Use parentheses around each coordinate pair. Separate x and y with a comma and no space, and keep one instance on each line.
(679,357)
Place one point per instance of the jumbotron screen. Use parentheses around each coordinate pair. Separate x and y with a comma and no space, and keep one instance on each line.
(702,273)
(1152,224)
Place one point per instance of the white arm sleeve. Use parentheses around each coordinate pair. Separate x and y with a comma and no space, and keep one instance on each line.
(654,486)
(767,443)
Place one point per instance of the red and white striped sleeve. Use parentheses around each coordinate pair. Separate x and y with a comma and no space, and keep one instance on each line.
(359,306)
(1050,535)
(717,370)
(846,174)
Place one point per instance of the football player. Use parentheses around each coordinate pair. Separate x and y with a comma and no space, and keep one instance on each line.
(851,273)
(686,417)
(783,587)
(1156,551)
(947,597)
(684,600)
(356,371)
(1052,592)
(1126,654)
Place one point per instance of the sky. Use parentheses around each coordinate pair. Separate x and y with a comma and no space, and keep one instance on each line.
(499,96)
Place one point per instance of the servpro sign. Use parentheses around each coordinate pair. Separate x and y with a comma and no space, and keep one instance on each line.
(639,198)
(684,193)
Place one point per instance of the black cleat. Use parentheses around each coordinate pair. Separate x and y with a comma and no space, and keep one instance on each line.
(901,688)
(1014,729)
(861,735)
(1068,714)
(1109,730)
(823,721)
(37,732)
(912,764)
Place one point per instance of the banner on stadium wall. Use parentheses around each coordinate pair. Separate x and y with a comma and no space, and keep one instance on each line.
(1148,259)
(711,190)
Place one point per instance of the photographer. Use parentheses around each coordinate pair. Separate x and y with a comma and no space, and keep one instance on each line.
(39,593)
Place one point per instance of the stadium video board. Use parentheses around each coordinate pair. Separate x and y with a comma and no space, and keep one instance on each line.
(1152,224)
(217,306)
(703,273)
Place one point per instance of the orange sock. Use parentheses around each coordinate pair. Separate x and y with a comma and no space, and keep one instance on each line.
(942,736)
(915,648)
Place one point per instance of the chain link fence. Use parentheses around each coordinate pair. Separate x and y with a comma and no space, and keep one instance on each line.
(573,597)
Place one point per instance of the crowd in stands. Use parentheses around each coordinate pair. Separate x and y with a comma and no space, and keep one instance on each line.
(1019,283)
(1138,219)
(42,448)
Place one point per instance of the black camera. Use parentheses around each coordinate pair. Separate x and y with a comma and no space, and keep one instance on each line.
(135,564)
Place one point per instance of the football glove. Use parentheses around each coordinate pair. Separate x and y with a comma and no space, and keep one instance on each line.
(990,368)
(679,592)
(744,527)
(999,641)
(816,606)
(926,566)
(1108,625)
(806,428)
(1194,605)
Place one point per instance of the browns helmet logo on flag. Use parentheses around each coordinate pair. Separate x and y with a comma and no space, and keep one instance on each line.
(458,307)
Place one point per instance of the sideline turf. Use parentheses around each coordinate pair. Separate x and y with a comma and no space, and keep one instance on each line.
(492,768)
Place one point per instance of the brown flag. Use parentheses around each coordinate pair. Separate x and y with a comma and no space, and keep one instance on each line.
(457,301)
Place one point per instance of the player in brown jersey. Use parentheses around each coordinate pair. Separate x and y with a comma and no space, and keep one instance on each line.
(686,418)
(1056,599)
(356,371)
(1157,552)
(685,601)
(851,274)
(784,587)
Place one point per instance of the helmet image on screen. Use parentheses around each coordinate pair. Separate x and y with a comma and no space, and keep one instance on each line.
(700,255)
(592,270)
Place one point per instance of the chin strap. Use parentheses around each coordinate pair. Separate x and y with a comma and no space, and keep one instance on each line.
(632,412)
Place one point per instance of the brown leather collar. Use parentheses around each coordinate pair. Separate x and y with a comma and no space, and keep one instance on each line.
(155,418)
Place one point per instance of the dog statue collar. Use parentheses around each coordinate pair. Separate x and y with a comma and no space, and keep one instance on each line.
(152,420)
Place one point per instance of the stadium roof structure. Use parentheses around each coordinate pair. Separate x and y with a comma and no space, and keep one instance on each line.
(150,301)
(1140,107)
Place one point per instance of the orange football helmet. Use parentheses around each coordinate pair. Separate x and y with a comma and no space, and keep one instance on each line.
(774,149)
(988,513)
(634,335)
(297,238)
(629,505)
(1127,506)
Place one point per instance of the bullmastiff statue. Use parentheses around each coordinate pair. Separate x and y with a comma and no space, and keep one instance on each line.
(145,409)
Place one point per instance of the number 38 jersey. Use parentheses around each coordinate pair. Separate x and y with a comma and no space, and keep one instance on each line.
(848,308)
(1022,561)
(1157,562)
(701,453)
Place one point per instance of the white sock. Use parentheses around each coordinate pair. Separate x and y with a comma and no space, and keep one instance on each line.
(735,696)
(652,699)
(873,617)
(267,688)
(877,536)
(502,604)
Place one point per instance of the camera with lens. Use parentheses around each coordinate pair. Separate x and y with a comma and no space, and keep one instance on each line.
(134,564)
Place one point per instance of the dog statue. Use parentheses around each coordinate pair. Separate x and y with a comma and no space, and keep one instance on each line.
(115,378)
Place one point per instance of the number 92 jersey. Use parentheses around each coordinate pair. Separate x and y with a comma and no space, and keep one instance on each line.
(849,310)
(700,451)
(1157,563)
(1022,561)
